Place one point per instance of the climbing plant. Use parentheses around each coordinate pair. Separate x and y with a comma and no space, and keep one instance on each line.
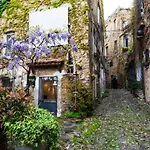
(3,5)
(36,45)
(16,17)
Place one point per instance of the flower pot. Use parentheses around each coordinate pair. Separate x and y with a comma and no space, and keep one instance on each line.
(43,147)
(22,148)
(40,147)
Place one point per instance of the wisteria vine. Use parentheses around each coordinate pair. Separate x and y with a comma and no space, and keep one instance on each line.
(38,43)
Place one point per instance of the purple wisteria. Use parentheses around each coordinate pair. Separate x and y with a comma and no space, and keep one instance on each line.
(37,44)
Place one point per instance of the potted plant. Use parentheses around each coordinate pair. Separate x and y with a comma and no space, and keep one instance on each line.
(39,130)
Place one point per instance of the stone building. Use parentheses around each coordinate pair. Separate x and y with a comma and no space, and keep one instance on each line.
(118,45)
(54,72)
(142,42)
(96,46)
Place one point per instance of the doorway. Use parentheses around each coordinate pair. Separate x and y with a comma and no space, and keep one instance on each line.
(48,93)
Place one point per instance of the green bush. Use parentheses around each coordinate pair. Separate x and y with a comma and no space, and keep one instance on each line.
(135,85)
(72,114)
(23,124)
(40,127)
(105,94)
(14,105)
(83,97)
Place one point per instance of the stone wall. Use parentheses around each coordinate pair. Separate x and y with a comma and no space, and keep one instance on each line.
(64,89)
(96,46)
(147,46)
(147,84)
(16,18)
(115,31)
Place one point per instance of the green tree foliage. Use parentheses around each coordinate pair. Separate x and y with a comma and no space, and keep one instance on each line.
(3,5)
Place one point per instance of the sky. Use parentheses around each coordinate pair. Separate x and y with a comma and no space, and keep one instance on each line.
(111,5)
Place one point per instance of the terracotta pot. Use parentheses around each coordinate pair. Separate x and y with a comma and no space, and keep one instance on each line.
(2,146)
(43,147)
(22,148)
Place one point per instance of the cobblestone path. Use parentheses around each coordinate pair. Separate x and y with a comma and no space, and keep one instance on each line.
(121,122)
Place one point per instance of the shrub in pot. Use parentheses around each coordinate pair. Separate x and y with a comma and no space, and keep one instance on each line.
(37,129)
(14,106)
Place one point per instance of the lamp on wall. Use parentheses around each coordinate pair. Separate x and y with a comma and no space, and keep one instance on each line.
(140,33)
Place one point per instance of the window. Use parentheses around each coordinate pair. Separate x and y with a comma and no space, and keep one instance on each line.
(146,53)
(98,13)
(7,37)
(106,35)
(70,63)
(6,82)
(125,41)
(94,40)
(48,89)
(115,46)
(111,63)
(123,24)
(142,8)
(106,50)
(106,32)
(115,24)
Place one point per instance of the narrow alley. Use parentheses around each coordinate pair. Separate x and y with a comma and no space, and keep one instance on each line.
(120,122)
(74,75)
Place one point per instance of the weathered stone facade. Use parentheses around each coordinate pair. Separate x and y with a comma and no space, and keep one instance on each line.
(16,19)
(96,46)
(118,45)
(142,44)
(147,47)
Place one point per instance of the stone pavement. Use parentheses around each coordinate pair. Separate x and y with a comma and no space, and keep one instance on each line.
(121,122)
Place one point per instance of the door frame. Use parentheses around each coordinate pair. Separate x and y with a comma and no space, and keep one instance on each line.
(41,76)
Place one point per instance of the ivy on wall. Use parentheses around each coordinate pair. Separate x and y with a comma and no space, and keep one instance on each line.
(3,6)
(16,17)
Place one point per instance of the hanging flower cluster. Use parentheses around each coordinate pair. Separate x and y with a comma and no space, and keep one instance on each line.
(37,44)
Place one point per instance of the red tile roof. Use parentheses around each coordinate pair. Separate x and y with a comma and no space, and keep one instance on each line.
(48,62)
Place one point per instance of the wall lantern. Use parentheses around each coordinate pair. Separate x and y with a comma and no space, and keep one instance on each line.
(140,33)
